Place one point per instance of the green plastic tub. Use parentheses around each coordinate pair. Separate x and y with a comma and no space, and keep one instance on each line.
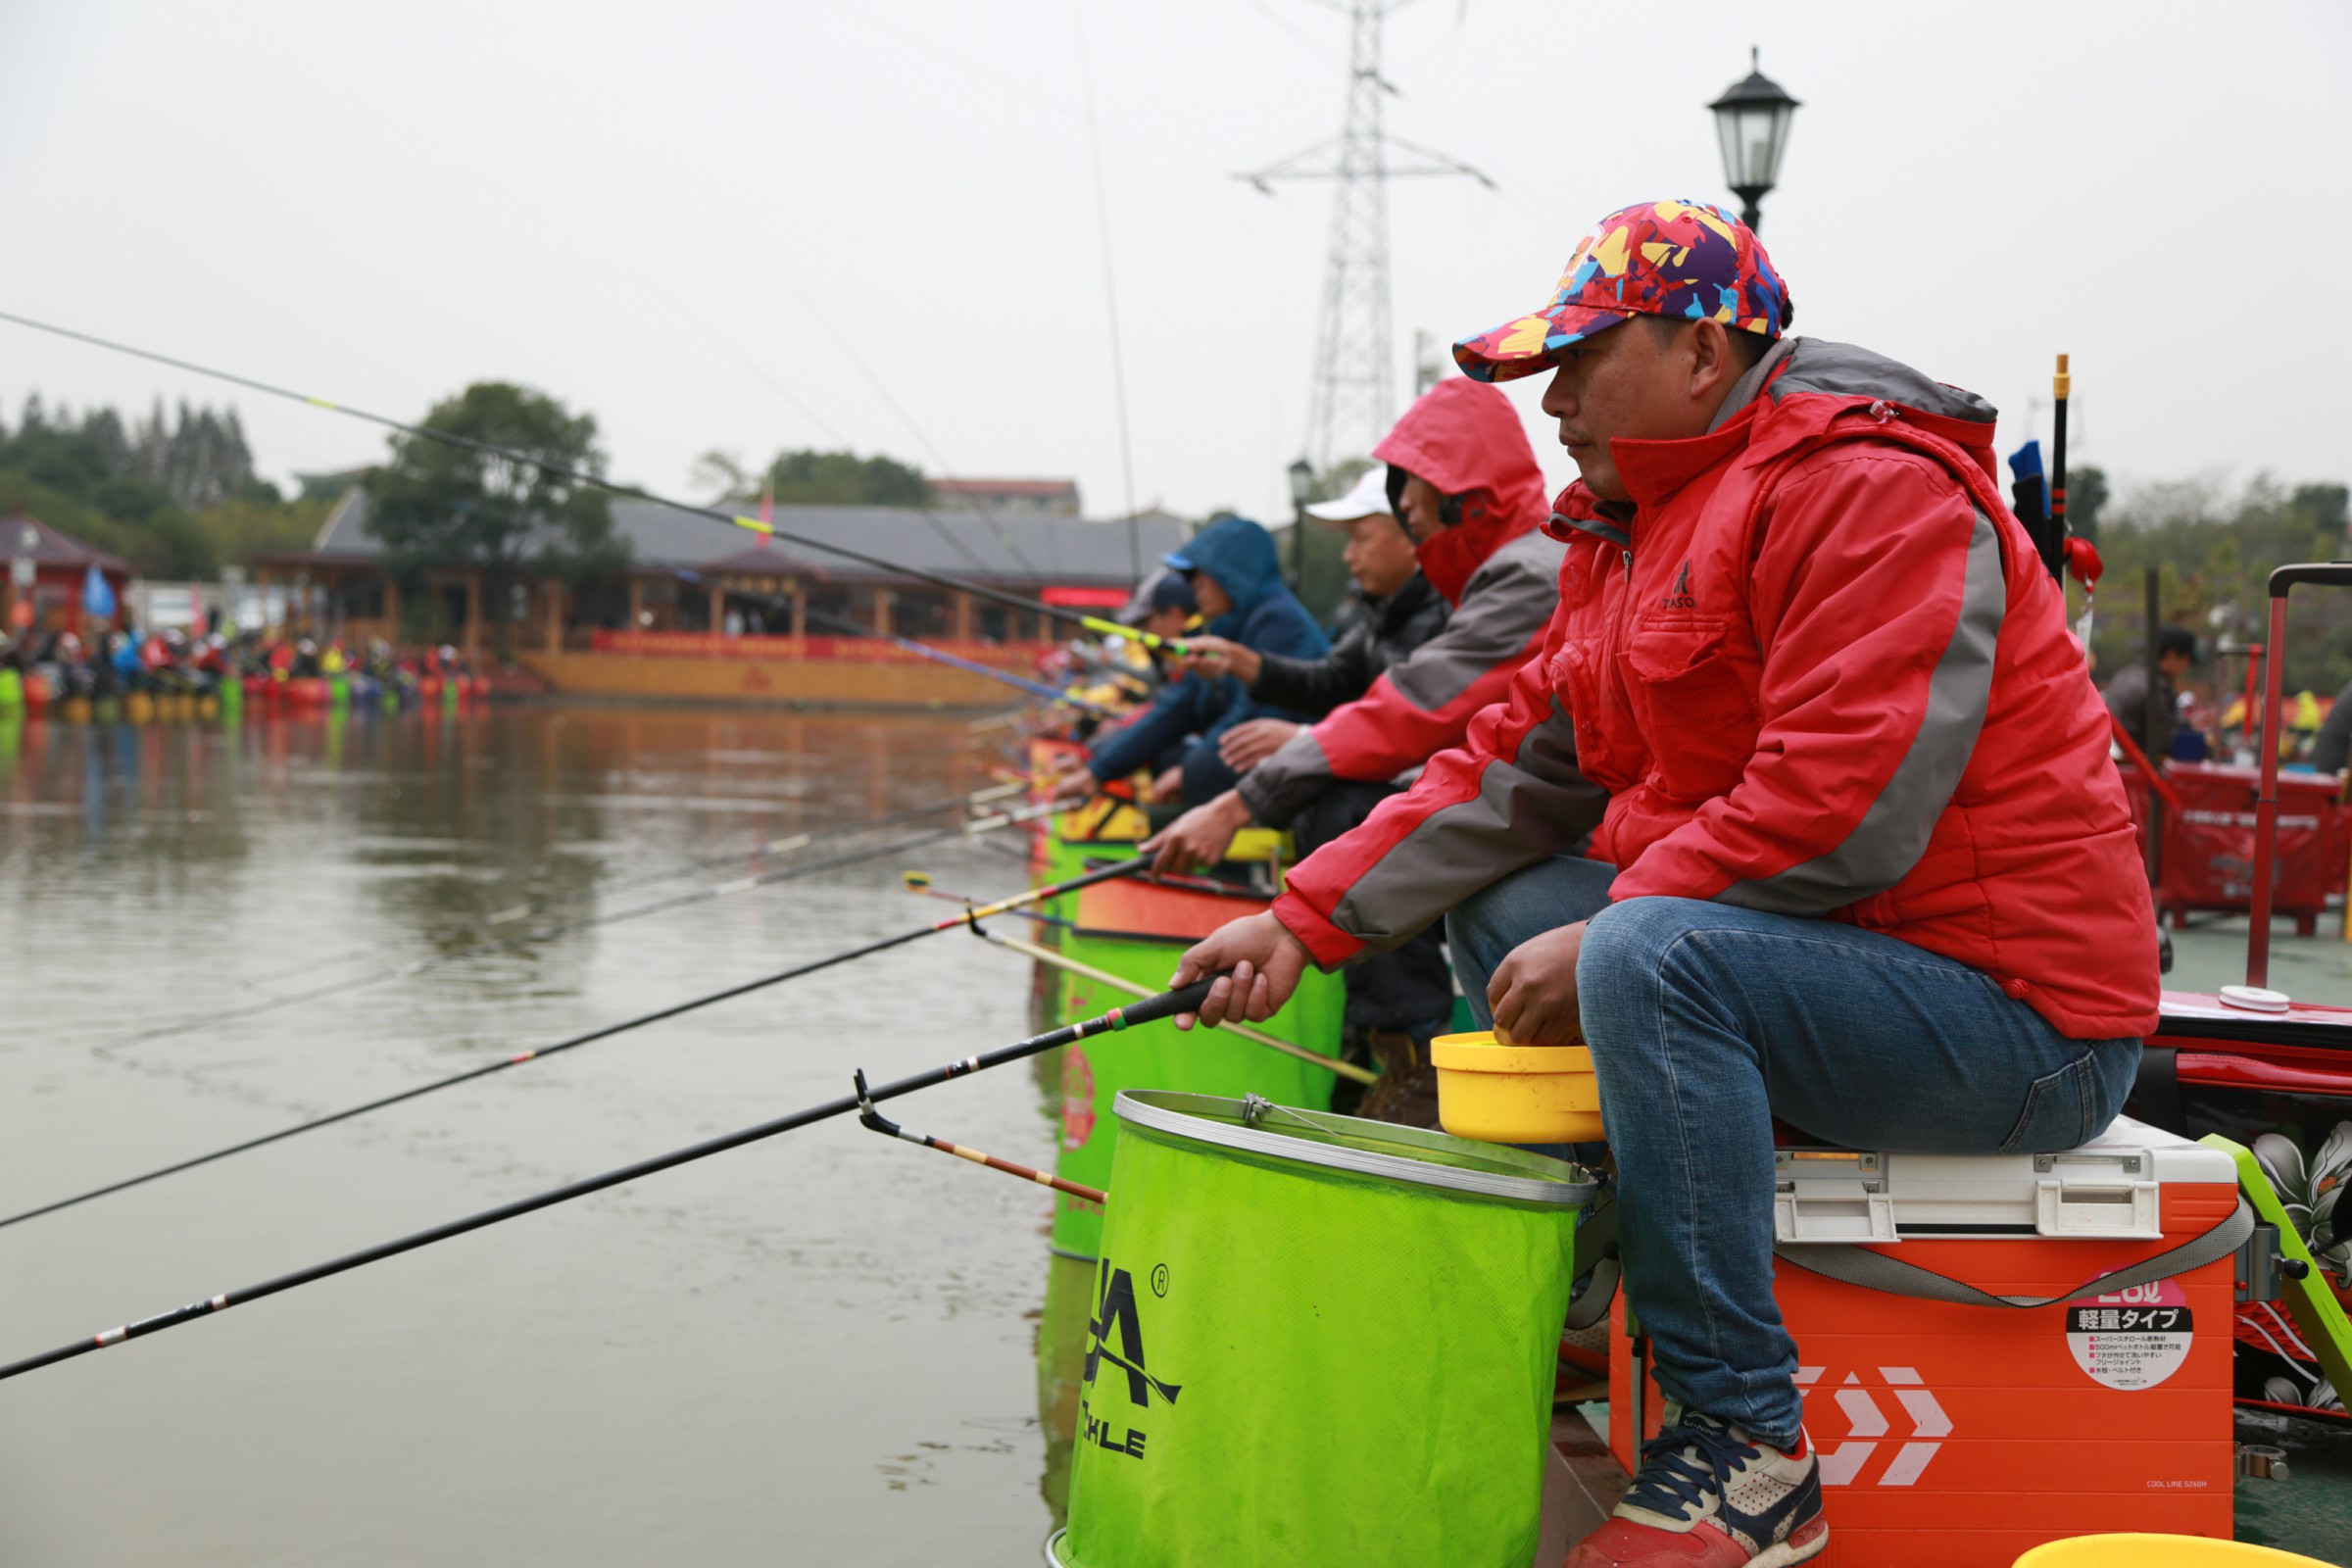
(1317,1341)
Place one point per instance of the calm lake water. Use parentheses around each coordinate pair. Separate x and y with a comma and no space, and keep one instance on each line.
(814,1349)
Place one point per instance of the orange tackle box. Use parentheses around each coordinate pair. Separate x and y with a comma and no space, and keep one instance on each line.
(1959,1436)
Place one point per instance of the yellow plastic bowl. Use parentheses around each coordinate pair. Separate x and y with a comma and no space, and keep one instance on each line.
(1500,1093)
(2158,1552)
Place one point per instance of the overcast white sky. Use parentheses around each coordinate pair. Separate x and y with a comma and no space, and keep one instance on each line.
(671,216)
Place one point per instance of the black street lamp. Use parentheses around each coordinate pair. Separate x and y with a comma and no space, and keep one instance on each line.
(1302,490)
(1751,120)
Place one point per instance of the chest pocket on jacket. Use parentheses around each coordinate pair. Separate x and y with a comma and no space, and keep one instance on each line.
(1693,702)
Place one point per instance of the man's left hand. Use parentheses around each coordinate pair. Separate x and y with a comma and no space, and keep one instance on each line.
(1169,786)
(1533,992)
(1200,836)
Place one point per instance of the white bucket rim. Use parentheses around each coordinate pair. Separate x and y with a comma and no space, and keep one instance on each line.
(1208,1119)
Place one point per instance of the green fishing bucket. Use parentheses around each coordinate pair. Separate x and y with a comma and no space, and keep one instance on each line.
(1317,1341)
(1160,1055)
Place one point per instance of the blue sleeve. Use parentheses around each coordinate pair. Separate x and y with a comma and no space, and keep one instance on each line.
(1232,704)
(1172,715)
(1281,625)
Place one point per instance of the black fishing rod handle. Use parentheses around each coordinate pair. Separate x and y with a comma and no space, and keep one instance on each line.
(1168,1003)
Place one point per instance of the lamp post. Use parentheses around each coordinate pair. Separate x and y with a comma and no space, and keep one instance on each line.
(1751,121)
(1302,490)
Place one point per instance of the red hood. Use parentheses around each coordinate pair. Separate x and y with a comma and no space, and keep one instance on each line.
(1465,438)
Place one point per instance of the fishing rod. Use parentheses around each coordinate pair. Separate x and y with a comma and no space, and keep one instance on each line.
(723,889)
(1047,955)
(2061,387)
(940,655)
(504,1064)
(1150,1011)
(874,1121)
(582,476)
(919,883)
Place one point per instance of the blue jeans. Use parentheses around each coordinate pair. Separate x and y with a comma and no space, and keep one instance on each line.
(1706,1021)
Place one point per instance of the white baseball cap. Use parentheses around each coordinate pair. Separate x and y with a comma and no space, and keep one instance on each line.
(1369,499)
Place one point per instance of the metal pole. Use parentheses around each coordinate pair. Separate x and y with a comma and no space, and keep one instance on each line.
(2155,732)
(2266,801)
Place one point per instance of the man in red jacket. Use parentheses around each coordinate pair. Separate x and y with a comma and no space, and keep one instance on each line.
(1856,855)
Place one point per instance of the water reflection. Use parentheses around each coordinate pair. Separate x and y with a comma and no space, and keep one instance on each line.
(734,1361)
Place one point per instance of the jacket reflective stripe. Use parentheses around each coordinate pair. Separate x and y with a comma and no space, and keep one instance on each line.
(1529,807)
(1893,832)
(1425,701)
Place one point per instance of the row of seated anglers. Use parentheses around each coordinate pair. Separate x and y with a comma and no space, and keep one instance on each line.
(1267,721)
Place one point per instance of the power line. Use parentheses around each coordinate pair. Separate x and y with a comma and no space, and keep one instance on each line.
(1111,290)
(896,568)
(1354,380)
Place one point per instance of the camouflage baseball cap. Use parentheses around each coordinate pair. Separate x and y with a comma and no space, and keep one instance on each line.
(1671,258)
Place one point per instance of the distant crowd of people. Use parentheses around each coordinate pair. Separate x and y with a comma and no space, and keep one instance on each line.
(63,664)
(2315,732)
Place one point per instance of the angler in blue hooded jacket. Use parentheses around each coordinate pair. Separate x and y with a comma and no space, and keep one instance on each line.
(1237,578)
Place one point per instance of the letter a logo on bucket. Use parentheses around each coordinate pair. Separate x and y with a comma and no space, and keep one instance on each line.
(1116,1336)
(1118,1318)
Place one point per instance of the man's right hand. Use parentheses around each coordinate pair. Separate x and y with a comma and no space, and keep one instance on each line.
(1218,655)
(1262,963)
(1200,836)
(1074,785)
(1250,742)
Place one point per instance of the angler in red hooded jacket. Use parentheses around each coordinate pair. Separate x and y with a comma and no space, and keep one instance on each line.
(1476,522)
(1854,854)
(1467,490)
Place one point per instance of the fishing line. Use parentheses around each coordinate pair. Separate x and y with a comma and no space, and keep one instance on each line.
(940,655)
(947,468)
(1103,977)
(744,884)
(1111,290)
(788,844)
(1164,1005)
(1013,600)
(778,846)
(606,1032)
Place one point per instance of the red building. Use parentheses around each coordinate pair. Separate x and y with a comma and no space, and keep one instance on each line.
(46,569)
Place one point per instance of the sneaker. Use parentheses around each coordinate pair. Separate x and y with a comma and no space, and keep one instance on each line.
(1708,1498)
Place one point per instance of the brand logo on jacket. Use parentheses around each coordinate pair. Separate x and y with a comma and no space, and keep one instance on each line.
(1866,1425)
(1680,596)
(1115,1334)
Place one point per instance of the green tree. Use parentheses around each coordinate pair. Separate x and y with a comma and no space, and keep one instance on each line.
(811,478)
(442,508)
(2213,551)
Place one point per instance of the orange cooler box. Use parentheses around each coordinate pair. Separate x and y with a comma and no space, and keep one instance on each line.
(1957,1437)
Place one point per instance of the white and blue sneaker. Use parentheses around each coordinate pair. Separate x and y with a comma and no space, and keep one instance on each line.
(1709,1498)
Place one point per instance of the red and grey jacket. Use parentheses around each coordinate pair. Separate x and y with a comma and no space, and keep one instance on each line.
(1495,566)
(1814,668)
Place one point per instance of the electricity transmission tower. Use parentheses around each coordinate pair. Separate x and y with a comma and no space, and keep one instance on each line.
(1354,398)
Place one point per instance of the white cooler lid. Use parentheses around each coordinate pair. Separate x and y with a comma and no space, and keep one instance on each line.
(2109,1187)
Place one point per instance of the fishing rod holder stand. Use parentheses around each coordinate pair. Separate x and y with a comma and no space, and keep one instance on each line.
(869,1117)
